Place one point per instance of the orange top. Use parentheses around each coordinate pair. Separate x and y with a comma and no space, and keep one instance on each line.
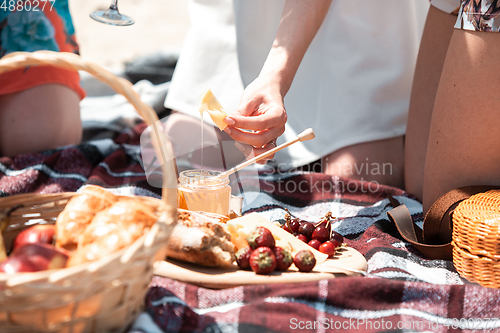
(33,30)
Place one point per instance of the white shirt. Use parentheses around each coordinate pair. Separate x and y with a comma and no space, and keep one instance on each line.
(354,82)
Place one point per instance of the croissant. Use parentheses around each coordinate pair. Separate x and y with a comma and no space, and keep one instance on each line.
(112,229)
(200,238)
(78,213)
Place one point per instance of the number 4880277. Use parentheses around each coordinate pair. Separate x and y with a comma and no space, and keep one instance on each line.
(26,5)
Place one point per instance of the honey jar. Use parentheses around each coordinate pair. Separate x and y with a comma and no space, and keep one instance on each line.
(202,190)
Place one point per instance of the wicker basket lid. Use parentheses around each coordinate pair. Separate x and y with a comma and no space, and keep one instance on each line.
(476,225)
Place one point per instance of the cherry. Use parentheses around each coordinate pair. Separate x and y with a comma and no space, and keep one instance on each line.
(302,238)
(306,229)
(294,225)
(335,243)
(286,227)
(327,248)
(314,243)
(321,233)
(291,225)
(338,237)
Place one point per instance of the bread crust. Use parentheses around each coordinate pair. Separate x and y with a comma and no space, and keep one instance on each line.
(201,238)
(112,229)
(126,214)
(78,213)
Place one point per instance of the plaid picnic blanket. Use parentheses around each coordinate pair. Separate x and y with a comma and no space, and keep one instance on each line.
(402,291)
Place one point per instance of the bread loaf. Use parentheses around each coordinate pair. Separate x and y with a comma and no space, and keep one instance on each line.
(78,213)
(112,229)
(126,214)
(201,238)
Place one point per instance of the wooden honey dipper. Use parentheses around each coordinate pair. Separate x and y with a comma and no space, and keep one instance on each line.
(307,134)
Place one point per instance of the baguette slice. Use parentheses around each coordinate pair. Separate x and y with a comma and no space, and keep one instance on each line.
(201,238)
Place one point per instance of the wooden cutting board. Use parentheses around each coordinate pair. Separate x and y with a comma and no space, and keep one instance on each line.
(219,278)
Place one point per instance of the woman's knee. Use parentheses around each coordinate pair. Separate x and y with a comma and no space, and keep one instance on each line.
(380,161)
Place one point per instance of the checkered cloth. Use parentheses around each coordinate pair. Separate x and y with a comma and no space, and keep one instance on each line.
(401,291)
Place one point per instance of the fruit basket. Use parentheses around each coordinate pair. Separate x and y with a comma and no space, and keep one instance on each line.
(100,296)
(476,238)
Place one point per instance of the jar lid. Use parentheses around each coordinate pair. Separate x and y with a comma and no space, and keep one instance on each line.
(202,178)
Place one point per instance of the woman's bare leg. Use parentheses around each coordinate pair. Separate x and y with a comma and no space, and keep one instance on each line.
(40,118)
(376,161)
(434,45)
(464,141)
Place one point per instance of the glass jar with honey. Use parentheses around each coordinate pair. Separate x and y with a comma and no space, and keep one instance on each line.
(203,190)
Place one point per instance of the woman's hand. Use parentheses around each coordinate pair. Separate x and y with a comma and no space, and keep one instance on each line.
(260,117)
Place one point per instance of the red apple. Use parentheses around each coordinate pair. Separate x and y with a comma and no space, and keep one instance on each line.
(14,265)
(41,233)
(42,256)
(3,252)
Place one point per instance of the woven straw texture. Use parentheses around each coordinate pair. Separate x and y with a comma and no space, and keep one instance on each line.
(100,296)
(476,238)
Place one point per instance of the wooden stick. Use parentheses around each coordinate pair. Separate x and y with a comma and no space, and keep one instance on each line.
(308,134)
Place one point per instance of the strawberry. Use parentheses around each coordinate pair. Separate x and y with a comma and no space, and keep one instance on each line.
(283,258)
(262,260)
(243,257)
(261,237)
(304,260)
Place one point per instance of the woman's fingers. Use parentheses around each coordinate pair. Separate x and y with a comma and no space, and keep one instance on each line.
(257,130)
(250,151)
(258,151)
(255,139)
(272,117)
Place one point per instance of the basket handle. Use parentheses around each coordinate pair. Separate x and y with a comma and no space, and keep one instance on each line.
(429,241)
(66,60)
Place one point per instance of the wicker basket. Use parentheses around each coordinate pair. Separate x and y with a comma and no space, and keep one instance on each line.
(476,238)
(101,296)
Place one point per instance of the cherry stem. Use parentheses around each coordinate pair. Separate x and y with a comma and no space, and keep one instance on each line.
(327,217)
(288,220)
